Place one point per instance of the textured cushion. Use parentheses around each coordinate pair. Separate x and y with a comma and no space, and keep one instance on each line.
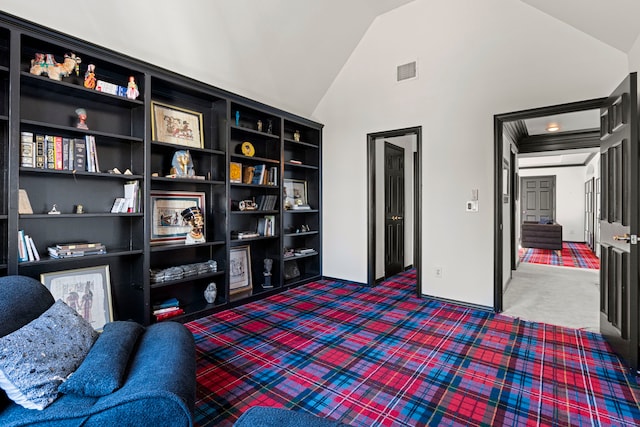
(37,358)
(103,370)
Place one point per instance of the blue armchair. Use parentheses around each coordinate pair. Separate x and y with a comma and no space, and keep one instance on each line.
(159,380)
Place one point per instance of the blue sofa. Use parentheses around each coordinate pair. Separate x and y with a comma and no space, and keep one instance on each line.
(159,382)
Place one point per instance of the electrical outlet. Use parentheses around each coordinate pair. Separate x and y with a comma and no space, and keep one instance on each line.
(438,272)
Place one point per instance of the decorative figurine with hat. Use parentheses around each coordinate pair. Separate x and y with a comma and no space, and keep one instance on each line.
(193,217)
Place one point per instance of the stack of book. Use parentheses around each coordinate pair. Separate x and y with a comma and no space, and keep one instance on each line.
(304,251)
(167,309)
(244,234)
(68,250)
(58,153)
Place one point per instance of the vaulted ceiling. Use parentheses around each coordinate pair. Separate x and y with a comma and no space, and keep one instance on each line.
(282,52)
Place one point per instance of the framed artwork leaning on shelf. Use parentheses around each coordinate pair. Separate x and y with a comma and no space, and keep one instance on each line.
(240,269)
(86,290)
(167,223)
(176,125)
(295,194)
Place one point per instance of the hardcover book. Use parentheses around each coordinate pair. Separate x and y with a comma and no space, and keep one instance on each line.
(40,152)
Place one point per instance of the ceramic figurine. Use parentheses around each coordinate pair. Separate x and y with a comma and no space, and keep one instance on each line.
(82,118)
(193,217)
(182,164)
(269,126)
(237,118)
(47,64)
(90,77)
(296,136)
(54,210)
(210,293)
(132,88)
(259,125)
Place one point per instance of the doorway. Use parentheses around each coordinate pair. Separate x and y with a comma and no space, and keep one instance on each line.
(508,128)
(409,221)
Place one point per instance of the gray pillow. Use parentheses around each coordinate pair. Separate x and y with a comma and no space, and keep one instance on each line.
(37,358)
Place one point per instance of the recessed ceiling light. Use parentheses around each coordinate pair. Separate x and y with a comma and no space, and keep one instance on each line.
(553,127)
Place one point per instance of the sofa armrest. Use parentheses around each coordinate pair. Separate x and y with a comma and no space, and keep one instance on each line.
(159,389)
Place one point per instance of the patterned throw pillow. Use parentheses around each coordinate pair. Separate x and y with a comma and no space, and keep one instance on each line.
(37,358)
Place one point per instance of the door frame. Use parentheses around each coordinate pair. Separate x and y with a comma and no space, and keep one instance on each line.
(498,131)
(417,202)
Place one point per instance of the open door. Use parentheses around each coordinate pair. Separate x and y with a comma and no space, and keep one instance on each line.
(394,209)
(619,221)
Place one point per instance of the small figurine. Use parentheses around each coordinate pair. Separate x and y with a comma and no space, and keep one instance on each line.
(269,126)
(193,217)
(296,136)
(90,77)
(237,118)
(54,210)
(182,164)
(47,64)
(132,88)
(82,117)
(210,293)
(79,209)
(259,125)
(268,264)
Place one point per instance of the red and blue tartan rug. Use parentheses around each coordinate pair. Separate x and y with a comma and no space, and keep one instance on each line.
(382,357)
(573,254)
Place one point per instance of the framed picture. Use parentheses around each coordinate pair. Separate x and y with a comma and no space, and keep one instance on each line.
(176,125)
(86,290)
(295,194)
(167,224)
(239,269)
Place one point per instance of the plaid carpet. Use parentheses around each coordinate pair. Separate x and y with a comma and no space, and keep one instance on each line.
(572,255)
(381,356)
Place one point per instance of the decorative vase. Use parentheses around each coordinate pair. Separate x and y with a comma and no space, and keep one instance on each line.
(210,293)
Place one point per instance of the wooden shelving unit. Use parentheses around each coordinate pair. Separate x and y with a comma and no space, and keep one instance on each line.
(125,138)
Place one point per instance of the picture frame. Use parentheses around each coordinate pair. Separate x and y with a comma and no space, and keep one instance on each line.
(176,125)
(86,290)
(294,194)
(167,225)
(240,269)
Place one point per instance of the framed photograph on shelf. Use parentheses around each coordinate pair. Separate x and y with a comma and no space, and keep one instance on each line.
(240,269)
(294,194)
(167,224)
(176,125)
(86,290)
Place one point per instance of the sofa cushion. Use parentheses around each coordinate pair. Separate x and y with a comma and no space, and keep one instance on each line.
(37,358)
(103,370)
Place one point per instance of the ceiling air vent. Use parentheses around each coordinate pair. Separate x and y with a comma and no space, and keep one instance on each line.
(407,71)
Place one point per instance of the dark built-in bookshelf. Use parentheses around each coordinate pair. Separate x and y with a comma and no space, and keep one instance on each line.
(129,136)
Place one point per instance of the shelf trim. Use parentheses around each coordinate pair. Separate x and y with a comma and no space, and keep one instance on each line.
(255,159)
(162,248)
(255,132)
(194,149)
(82,215)
(113,253)
(99,175)
(306,144)
(75,130)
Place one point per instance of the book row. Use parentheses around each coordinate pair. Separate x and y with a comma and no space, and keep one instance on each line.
(58,153)
(257,174)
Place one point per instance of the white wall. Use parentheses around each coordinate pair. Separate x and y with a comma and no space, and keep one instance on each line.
(569,198)
(476,59)
(634,56)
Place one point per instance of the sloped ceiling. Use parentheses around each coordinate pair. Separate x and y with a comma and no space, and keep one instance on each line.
(614,22)
(284,53)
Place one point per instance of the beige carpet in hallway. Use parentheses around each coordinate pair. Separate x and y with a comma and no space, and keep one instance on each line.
(562,296)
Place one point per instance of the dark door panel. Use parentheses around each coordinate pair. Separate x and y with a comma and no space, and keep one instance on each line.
(619,221)
(394,209)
